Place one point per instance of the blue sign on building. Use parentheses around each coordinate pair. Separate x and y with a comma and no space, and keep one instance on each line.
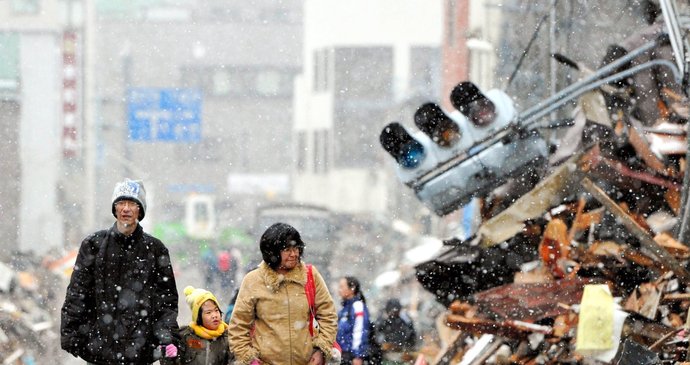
(164,115)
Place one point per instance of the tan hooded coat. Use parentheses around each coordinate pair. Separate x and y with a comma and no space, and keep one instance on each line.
(277,307)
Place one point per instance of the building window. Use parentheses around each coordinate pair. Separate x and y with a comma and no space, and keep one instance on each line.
(364,73)
(354,146)
(321,158)
(222,85)
(316,154)
(279,15)
(240,81)
(275,13)
(320,151)
(301,151)
(26,6)
(328,67)
(323,70)
(324,150)
(206,151)
(9,62)
(480,60)
(269,83)
(425,70)
(319,80)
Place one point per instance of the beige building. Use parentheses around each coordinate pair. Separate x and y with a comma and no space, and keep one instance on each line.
(31,121)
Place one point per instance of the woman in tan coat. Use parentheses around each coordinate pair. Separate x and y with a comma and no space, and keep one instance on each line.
(270,320)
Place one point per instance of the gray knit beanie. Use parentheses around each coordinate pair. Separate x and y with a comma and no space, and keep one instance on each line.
(130,190)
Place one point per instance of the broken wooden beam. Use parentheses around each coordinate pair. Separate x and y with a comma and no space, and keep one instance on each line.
(646,240)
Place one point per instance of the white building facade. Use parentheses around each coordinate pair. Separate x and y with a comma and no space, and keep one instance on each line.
(361,59)
(31,85)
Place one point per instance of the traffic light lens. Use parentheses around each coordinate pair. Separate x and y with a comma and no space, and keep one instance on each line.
(471,102)
(412,155)
(431,120)
(407,151)
(482,113)
(448,138)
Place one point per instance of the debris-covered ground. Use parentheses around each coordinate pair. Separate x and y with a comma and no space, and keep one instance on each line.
(30,297)
(589,266)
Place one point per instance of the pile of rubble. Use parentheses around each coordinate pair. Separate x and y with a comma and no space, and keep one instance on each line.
(587,267)
(29,308)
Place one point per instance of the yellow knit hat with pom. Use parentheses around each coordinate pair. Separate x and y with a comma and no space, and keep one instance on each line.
(196,297)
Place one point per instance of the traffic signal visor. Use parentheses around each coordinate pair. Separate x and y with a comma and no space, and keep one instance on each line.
(449,134)
(487,113)
(413,153)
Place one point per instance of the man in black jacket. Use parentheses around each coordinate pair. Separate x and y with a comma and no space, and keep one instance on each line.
(121,302)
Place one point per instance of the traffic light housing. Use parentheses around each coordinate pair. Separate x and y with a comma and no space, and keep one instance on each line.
(447,188)
(465,153)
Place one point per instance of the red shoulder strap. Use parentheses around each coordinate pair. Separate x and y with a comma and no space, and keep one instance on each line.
(310,291)
(310,288)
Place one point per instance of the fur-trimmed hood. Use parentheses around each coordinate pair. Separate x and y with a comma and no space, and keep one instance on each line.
(274,280)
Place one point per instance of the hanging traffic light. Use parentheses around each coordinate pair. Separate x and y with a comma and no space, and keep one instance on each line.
(465,153)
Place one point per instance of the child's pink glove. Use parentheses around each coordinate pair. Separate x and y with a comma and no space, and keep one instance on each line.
(170,350)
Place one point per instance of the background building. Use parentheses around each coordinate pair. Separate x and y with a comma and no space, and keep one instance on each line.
(360,60)
(240,61)
(31,125)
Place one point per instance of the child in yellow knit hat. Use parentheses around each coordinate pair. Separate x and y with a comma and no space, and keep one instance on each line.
(204,340)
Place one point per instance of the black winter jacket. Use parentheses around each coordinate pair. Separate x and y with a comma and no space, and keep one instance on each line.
(121,302)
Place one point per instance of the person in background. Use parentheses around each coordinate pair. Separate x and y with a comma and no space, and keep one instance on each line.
(396,334)
(353,322)
(209,265)
(270,320)
(231,305)
(227,270)
(121,301)
(205,340)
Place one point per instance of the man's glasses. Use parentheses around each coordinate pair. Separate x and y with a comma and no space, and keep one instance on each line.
(126,203)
